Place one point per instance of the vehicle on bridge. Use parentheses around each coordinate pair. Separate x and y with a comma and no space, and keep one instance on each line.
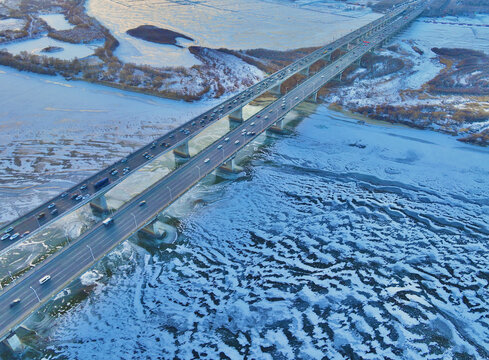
(101,183)
(44,279)
(107,222)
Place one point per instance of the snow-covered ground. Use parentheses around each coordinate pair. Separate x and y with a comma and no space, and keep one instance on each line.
(232,24)
(55,132)
(11,24)
(57,21)
(421,68)
(428,35)
(344,241)
(35,46)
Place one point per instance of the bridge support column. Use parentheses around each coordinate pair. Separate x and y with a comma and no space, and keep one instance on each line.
(237,115)
(313,99)
(305,71)
(13,343)
(339,77)
(99,204)
(182,150)
(230,166)
(276,90)
(151,231)
(278,127)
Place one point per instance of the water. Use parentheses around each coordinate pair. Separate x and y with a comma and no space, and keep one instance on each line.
(340,240)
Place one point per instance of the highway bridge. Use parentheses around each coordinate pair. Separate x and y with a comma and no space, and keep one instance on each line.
(177,140)
(81,254)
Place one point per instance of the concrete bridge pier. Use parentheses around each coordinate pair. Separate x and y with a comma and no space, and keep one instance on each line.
(276,90)
(182,150)
(237,115)
(13,343)
(312,99)
(305,71)
(151,231)
(277,127)
(339,77)
(230,166)
(99,204)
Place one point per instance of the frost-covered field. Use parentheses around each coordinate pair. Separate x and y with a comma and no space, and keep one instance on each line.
(421,68)
(54,133)
(344,240)
(242,24)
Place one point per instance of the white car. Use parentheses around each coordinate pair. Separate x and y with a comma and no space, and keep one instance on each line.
(44,279)
(236,142)
(207,160)
(5,237)
(226,139)
(219,146)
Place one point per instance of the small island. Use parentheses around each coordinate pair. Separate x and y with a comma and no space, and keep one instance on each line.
(52,49)
(157,35)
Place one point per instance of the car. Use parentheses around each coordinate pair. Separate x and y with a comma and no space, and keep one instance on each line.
(74,196)
(258,116)
(41,215)
(266,117)
(26,233)
(163,144)
(124,160)
(107,222)
(15,302)
(83,187)
(44,279)
(78,198)
(248,133)
(54,212)
(86,196)
(10,229)
(226,139)
(153,145)
(50,206)
(207,160)
(171,136)
(236,142)
(5,237)
(219,146)
(14,236)
(64,194)
(142,203)
(114,172)
(252,124)
(193,123)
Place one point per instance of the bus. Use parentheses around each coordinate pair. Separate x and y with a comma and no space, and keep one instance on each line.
(101,183)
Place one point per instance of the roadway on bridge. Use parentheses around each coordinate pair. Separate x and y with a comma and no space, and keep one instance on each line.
(93,245)
(63,203)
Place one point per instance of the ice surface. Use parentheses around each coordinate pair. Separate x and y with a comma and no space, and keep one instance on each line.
(11,24)
(57,21)
(403,280)
(69,130)
(242,24)
(35,46)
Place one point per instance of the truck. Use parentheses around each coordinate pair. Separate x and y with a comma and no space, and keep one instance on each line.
(101,183)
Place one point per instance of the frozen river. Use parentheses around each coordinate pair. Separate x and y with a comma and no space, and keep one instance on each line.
(340,240)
